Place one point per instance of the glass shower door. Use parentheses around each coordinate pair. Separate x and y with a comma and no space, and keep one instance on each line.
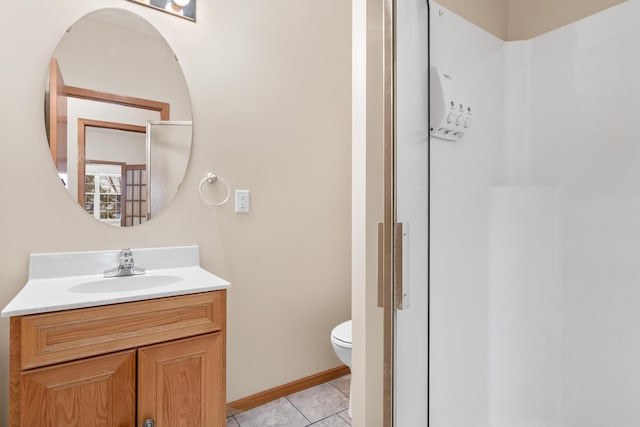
(404,233)
(412,185)
(168,148)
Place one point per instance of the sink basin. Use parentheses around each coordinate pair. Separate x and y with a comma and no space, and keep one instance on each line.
(124,284)
(71,280)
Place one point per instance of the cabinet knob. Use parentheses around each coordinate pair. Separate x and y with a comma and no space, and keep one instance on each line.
(149,423)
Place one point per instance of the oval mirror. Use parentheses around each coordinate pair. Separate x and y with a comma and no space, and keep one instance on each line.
(118,117)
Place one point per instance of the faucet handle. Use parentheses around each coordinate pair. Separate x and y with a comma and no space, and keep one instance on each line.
(126,258)
(126,266)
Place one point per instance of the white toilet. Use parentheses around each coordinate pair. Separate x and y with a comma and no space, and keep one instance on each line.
(341,342)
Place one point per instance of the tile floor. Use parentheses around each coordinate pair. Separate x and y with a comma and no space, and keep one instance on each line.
(325,405)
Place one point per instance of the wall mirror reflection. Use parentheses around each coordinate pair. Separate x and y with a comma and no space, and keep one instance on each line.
(118,117)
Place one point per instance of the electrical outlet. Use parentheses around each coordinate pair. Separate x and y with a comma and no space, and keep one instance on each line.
(242,201)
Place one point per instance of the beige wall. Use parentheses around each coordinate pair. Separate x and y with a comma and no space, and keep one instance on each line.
(524,19)
(490,15)
(528,18)
(270,84)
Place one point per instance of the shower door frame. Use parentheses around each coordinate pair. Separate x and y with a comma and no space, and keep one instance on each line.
(391,293)
(387,229)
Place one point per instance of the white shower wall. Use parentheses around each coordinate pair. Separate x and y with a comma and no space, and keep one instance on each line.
(535,220)
(583,99)
(461,175)
(525,361)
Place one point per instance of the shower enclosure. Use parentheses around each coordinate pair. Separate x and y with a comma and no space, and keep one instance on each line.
(530,304)
(535,219)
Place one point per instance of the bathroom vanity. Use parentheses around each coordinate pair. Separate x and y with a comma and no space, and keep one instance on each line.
(95,341)
(155,357)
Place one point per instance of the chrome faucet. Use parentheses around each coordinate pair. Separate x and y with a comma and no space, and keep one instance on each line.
(126,266)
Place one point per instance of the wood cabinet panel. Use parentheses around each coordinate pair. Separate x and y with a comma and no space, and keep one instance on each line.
(170,366)
(96,392)
(70,335)
(181,383)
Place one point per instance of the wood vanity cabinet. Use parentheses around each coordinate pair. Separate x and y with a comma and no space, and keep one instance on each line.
(119,365)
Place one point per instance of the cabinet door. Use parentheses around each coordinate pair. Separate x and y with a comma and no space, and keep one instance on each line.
(181,383)
(99,391)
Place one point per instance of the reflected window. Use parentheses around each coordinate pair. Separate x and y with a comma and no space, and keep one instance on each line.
(103,193)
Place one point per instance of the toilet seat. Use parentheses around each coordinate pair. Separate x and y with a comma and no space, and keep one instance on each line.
(341,334)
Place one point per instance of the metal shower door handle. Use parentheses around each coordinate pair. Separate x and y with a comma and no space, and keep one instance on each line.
(398,268)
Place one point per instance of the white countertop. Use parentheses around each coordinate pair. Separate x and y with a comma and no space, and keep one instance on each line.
(43,294)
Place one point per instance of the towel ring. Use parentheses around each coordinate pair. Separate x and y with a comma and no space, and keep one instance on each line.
(210,179)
